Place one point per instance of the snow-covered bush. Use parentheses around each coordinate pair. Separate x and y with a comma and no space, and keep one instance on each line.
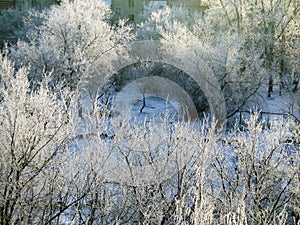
(102,170)
(34,130)
(162,173)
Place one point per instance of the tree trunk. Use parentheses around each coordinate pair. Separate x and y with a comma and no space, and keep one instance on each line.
(296,78)
(79,103)
(144,103)
(282,66)
(281,80)
(270,87)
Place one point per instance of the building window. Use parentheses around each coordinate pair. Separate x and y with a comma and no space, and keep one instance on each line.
(131,3)
(131,18)
(118,11)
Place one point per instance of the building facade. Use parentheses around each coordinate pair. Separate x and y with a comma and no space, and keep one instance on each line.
(191,5)
(131,9)
(128,9)
(25,4)
(7,4)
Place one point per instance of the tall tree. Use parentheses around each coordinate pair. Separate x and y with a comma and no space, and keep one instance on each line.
(212,51)
(261,24)
(76,43)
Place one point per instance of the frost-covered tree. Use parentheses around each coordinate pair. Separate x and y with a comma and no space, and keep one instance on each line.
(238,71)
(34,132)
(47,173)
(236,41)
(76,43)
(265,26)
(154,20)
(15,24)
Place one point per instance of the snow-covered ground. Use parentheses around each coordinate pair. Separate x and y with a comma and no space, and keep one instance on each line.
(272,109)
(155,108)
(286,105)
